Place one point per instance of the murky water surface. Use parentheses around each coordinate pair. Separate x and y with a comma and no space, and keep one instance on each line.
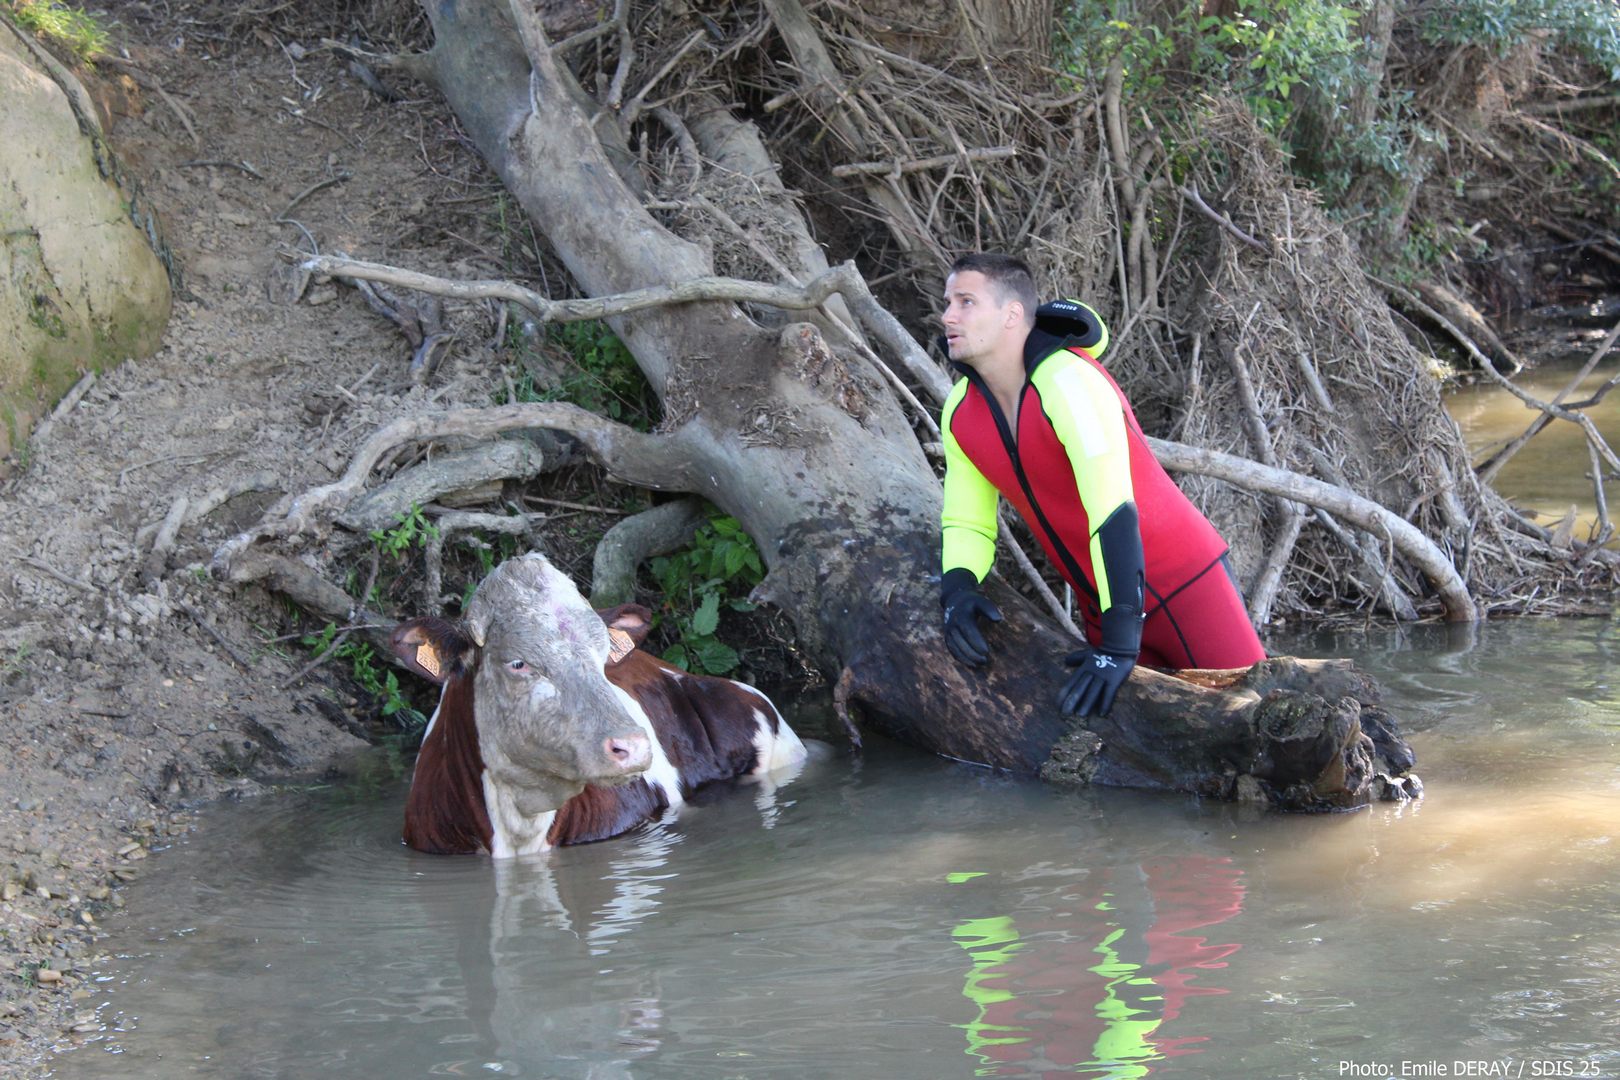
(1553,471)
(898,916)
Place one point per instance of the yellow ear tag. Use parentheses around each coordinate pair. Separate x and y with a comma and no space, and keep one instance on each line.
(427,658)
(622,645)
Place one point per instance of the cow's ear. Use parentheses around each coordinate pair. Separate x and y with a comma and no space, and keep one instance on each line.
(628,625)
(435,649)
(632,619)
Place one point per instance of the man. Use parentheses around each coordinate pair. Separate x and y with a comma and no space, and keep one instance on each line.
(1037,420)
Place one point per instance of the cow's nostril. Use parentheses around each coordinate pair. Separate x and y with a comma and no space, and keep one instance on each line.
(630,752)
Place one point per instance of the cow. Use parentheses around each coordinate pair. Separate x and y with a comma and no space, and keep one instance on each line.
(554,727)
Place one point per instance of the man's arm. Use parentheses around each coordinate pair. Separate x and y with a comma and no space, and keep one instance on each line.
(968,519)
(967,545)
(1089,419)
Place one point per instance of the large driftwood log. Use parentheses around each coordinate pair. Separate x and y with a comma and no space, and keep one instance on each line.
(1295,734)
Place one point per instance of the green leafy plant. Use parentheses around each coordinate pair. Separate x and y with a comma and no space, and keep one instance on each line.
(381,683)
(413,529)
(75,30)
(1265,51)
(604,376)
(716,571)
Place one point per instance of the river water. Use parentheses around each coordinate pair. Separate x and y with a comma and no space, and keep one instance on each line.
(899,916)
(1553,472)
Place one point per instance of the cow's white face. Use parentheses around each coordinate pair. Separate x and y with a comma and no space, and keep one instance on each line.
(549,722)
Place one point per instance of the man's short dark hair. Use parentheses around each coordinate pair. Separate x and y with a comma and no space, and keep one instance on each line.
(1008,276)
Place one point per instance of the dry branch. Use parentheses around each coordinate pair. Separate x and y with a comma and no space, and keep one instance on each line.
(844,280)
(1405,537)
(306,588)
(448,523)
(898,167)
(475,467)
(659,462)
(157,560)
(1491,467)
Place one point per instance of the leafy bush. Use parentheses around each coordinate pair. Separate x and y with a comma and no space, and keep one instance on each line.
(1588,27)
(719,568)
(1264,52)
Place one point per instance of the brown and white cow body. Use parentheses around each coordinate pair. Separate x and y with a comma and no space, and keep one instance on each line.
(552,729)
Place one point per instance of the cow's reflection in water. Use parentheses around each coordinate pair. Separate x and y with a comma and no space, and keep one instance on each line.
(561,986)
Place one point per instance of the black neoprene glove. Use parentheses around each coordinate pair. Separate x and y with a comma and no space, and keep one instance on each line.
(1090,690)
(1101,670)
(963,604)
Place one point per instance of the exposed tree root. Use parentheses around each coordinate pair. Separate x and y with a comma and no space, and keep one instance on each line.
(659,531)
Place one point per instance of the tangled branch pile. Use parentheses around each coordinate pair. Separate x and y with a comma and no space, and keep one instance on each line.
(1242,320)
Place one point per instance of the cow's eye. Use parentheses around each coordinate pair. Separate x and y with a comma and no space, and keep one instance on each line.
(519,667)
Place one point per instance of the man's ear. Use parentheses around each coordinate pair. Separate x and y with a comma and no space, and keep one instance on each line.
(435,649)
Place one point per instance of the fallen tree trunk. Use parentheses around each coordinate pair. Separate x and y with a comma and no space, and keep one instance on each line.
(809,447)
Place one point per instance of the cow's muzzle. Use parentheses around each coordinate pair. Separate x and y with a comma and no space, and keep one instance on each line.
(629,753)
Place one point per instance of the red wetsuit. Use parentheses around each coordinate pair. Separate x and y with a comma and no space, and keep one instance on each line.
(1081,474)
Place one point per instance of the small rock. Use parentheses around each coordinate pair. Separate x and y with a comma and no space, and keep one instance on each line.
(47,977)
(10,891)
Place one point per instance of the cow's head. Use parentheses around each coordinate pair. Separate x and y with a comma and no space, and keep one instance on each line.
(533,652)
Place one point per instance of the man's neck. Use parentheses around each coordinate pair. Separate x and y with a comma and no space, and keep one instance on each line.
(1003,370)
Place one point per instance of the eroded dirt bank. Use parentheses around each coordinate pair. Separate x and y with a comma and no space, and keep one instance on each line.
(131,690)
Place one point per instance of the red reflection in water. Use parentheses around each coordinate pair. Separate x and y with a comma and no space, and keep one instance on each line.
(1088,991)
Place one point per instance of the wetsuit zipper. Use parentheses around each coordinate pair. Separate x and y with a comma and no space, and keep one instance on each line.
(1010,444)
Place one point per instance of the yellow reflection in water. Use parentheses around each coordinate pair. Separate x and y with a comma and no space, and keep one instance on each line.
(1088,989)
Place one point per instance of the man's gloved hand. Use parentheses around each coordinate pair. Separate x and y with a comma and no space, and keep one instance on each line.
(962,634)
(1090,690)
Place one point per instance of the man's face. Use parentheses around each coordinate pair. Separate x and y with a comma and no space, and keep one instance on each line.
(976,320)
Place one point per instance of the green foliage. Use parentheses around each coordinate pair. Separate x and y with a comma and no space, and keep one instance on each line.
(413,529)
(719,568)
(604,379)
(13,666)
(1266,52)
(382,684)
(73,29)
(1589,27)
